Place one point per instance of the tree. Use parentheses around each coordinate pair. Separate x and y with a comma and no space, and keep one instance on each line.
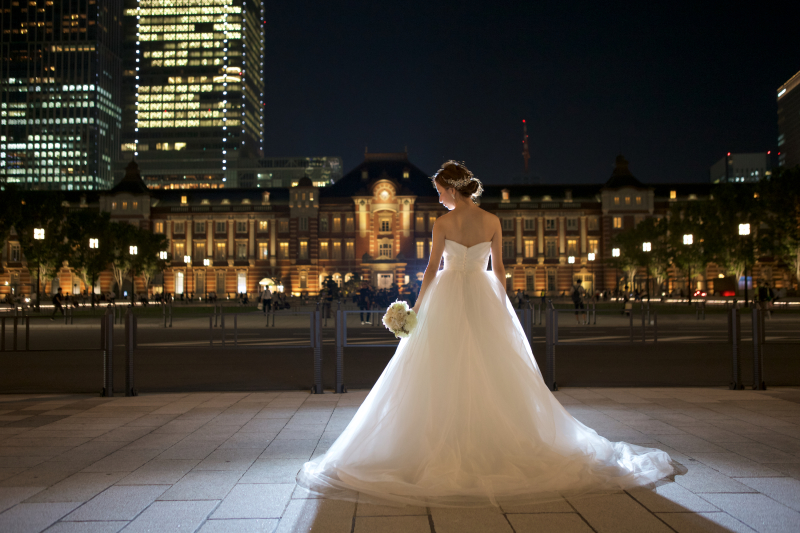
(88,263)
(42,210)
(147,263)
(781,235)
(121,236)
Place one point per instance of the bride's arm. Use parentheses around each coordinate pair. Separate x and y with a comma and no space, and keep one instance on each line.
(497,252)
(437,249)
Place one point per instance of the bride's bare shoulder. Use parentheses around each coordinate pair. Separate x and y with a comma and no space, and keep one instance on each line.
(490,218)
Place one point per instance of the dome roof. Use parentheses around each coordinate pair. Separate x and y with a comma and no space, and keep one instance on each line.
(305,181)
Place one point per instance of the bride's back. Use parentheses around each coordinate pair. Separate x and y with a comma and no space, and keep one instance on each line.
(469,226)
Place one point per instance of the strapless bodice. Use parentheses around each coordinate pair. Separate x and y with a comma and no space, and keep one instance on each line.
(466,259)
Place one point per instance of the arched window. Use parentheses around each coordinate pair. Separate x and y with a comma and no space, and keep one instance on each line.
(338,279)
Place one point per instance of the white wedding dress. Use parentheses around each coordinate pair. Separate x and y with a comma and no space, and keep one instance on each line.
(462,417)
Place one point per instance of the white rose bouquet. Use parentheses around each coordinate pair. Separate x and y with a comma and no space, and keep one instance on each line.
(399,319)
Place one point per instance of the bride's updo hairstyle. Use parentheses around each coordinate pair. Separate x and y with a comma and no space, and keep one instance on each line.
(456,175)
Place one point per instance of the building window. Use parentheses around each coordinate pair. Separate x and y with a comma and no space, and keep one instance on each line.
(135,205)
(550,224)
(199,252)
(529,283)
(420,223)
(263,250)
(508,248)
(241,250)
(572,247)
(617,222)
(572,223)
(550,250)
(593,246)
(180,250)
(179,227)
(638,200)
(241,226)
(323,224)
(221,254)
(124,206)
(386,224)
(406,174)
(616,200)
(627,200)
(551,281)
(304,280)
(594,223)
(508,224)
(283,226)
(337,224)
(184,200)
(178,282)
(530,224)
(337,250)
(348,224)
(263,225)
(431,222)
(303,249)
(420,249)
(15,254)
(220,226)
(283,250)
(323,250)
(241,282)
(385,250)
(673,195)
(199,227)
(350,250)
(529,248)
(303,223)
(158,227)
(114,206)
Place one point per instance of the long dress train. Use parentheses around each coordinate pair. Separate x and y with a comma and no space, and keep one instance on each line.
(462,417)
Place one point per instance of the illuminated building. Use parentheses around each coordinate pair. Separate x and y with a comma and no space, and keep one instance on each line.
(741,168)
(60,93)
(194,88)
(789,122)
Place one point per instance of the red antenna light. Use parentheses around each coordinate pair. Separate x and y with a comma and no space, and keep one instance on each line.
(769,152)
(729,153)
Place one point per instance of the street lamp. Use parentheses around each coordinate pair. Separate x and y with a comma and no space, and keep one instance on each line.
(615,252)
(188,260)
(688,239)
(133,250)
(744,229)
(163,255)
(94,244)
(38,234)
(591,257)
(647,247)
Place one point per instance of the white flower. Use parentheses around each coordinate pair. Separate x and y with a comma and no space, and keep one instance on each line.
(399,319)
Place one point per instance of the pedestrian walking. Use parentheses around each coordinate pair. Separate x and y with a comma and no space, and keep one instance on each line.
(578,294)
(364,303)
(266,299)
(58,298)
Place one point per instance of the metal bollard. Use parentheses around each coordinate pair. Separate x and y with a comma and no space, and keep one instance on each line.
(316,342)
(107,345)
(235,329)
(222,325)
(758,355)
(735,337)
(164,313)
(551,338)
(170,314)
(655,325)
(341,326)
(631,317)
(130,343)
(210,331)
(14,344)
(644,328)
(2,334)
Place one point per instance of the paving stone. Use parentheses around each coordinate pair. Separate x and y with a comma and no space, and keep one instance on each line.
(392,524)
(617,513)
(670,498)
(761,453)
(549,523)
(202,485)
(255,501)
(273,471)
(235,459)
(704,523)
(258,441)
(757,511)
(117,503)
(172,516)
(787,469)
(86,527)
(79,487)
(735,465)
(317,516)
(701,478)
(33,517)
(469,520)
(189,450)
(159,472)
(11,496)
(126,434)
(122,461)
(159,442)
(367,509)
(783,490)
(238,525)
(557,505)
(290,449)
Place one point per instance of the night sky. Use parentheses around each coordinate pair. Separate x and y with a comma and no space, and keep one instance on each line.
(672,86)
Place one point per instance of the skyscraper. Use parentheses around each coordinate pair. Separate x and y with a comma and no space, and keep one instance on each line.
(789,122)
(194,85)
(60,77)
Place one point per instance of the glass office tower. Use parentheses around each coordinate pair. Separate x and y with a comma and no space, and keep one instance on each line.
(194,91)
(60,78)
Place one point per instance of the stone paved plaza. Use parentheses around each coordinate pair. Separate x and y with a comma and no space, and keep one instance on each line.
(226,462)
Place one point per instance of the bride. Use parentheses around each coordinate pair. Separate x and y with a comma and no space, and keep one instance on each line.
(461,415)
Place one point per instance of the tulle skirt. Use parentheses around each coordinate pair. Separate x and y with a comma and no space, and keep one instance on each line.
(462,417)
